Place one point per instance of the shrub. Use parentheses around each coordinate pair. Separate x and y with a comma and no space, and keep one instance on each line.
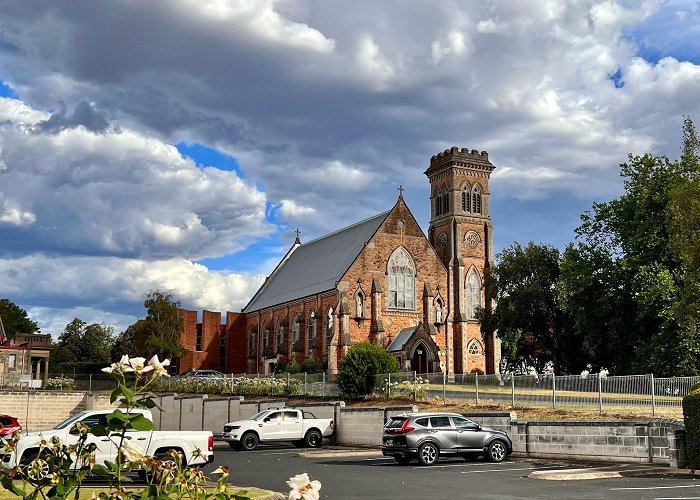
(691,419)
(287,367)
(360,366)
(312,365)
(694,387)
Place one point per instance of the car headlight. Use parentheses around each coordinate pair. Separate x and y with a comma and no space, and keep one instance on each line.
(233,427)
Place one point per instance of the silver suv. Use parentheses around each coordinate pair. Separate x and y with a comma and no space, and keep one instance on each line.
(427,436)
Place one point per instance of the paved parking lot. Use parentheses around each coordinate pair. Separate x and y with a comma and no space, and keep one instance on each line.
(355,474)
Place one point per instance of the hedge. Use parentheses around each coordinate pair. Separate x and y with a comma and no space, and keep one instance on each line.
(691,418)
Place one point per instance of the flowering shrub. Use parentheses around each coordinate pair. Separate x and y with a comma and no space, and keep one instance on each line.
(407,388)
(60,384)
(238,386)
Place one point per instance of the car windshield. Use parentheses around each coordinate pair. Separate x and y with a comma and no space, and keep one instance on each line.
(261,415)
(70,420)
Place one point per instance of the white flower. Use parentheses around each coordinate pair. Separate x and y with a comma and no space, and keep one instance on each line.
(132,452)
(303,488)
(138,365)
(158,367)
(603,373)
(584,374)
(121,366)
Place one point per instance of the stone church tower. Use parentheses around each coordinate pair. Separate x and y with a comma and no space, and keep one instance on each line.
(461,233)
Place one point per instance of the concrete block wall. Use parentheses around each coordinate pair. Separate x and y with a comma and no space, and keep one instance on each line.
(363,426)
(501,420)
(620,441)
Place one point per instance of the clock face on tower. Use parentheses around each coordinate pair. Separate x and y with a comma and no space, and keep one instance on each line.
(472,238)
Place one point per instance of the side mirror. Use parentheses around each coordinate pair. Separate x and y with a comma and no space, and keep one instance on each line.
(266,419)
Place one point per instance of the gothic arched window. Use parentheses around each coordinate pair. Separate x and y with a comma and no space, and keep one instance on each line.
(445,199)
(311,333)
(473,293)
(402,279)
(476,199)
(295,331)
(267,334)
(280,335)
(474,347)
(359,304)
(251,342)
(329,325)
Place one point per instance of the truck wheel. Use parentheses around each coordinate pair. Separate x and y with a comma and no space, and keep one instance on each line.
(313,438)
(37,468)
(249,441)
(235,445)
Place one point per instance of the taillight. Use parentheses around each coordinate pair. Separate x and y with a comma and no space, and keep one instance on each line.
(406,428)
(210,443)
(332,424)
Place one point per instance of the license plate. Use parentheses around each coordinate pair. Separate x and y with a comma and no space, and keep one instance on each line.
(390,442)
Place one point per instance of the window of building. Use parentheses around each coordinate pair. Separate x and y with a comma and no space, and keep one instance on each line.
(266,336)
(473,293)
(402,278)
(12,361)
(442,200)
(476,199)
(252,347)
(280,335)
(474,347)
(359,304)
(198,341)
(311,330)
(329,325)
(295,332)
(466,198)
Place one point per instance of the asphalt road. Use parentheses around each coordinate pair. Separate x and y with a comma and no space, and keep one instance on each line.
(347,474)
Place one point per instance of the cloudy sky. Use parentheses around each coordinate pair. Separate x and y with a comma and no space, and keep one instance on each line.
(176,145)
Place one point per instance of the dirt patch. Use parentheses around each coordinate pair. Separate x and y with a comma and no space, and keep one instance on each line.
(523,413)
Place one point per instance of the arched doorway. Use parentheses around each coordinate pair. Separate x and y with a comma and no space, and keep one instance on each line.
(422,359)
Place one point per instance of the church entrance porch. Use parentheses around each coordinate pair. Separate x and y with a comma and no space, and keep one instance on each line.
(416,350)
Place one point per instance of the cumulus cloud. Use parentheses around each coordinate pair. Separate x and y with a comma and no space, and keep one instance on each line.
(327,106)
(118,192)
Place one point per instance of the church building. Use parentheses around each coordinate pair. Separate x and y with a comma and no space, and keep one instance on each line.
(383,280)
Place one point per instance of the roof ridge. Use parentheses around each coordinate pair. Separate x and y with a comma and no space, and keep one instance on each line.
(382,214)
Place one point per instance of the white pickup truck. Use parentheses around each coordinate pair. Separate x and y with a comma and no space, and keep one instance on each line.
(302,428)
(153,443)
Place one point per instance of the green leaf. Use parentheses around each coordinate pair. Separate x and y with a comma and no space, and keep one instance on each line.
(141,423)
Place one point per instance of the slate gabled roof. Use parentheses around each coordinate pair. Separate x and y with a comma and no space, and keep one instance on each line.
(316,266)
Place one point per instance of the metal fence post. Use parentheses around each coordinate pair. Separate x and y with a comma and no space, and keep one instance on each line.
(554,390)
(323,386)
(444,393)
(512,389)
(653,396)
(600,395)
(476,382)
(287,382)
(305,384)
(415,384)
(90,384)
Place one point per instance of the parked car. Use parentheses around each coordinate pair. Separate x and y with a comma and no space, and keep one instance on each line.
(203,374)
(428,436)
(153,443)
(8,426)
(302,428)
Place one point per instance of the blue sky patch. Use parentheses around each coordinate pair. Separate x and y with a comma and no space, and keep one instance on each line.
(7,91)
(209,157)
(616,78)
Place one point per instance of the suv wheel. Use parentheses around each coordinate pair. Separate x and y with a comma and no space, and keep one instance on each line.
(249,441)
(428,453)
(496,451)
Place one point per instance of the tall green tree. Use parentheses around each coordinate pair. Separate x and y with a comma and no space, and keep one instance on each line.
(15,319)
(83,347)
(161,331)
(528,318)
(644,233)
